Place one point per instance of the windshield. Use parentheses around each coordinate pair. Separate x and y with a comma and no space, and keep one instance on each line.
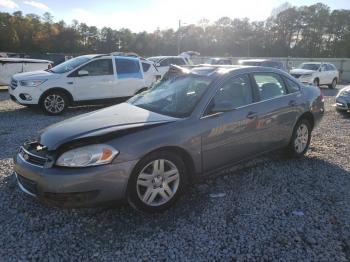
(313,67)
(70,64)
(175,97)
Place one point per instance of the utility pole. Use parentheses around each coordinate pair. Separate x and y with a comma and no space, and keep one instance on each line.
(119,43)
(178,38)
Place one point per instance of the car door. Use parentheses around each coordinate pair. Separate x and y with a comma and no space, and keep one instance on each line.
(277,110)
(324,75)
(230,135)
(331,73)
(129,77)
(95,80)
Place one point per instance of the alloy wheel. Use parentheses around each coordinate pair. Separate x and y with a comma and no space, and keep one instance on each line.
(301,139)
(158,182)
(54,103)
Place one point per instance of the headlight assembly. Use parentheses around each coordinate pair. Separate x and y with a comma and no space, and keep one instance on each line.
(91,155)
(31,83)
(306,75)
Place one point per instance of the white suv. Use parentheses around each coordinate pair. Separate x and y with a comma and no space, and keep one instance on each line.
(317,74)
(83,80)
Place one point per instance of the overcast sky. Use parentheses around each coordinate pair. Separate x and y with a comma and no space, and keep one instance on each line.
(148,15)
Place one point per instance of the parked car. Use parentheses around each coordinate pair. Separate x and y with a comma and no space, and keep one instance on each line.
(343,100)
(317,73)
(263,62)
(11,66)
(83,80)
(163,63)
(148,149)
(219,61)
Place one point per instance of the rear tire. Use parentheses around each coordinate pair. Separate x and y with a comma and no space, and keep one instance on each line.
(157,182)
(54,103)
(301,138)
(333,84)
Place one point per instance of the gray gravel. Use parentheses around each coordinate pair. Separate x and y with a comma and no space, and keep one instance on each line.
(272,209)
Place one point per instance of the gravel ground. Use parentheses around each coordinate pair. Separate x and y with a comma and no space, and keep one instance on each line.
(273,208)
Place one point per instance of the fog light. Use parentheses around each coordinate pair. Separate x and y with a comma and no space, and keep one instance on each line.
(25,97)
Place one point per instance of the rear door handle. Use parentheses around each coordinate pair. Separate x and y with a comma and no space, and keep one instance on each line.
(292,103)
(70,83)
(252,115)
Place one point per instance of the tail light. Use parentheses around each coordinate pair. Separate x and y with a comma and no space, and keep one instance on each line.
(321,94)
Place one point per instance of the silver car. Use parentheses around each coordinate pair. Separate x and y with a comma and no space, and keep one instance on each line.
(150,148)
(343,100)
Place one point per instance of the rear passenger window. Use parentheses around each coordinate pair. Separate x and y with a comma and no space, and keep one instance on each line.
(269,85)
(146,67)
(98,67)
(128,68)
(292,87)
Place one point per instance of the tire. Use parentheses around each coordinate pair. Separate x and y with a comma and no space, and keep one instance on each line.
(54,103)
(148,189)
(333,84)
(299,143)
(316,82)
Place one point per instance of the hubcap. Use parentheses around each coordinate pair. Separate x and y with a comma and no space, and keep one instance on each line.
(54,103)
(302,138)
(158,182)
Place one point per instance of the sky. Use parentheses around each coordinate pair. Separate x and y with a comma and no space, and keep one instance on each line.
(148,15)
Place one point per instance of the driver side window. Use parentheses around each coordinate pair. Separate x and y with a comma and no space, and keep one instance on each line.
(98,67)
(235,93)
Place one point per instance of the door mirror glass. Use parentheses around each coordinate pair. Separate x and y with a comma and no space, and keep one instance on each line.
(83,73)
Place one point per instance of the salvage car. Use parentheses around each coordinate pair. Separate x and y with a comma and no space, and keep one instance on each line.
(317,73)
(148,149)
(263,62)
(86,79)
(343,100)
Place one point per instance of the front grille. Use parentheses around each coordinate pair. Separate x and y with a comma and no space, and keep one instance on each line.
(28,184)
(32,158)
(13,84)
(296,75)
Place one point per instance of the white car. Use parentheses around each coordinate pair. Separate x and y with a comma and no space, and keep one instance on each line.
(11,66)
(317,74)
(163,63)
(83,80)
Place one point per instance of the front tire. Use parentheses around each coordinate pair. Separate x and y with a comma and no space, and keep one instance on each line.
(333,84)
(54,103)
(156,182)
(301,138)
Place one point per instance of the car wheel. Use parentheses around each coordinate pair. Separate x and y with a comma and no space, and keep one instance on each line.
(333,84)
(317,82)
(156,182)
(301,137)
(54,103)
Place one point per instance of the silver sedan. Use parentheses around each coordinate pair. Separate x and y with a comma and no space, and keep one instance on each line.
(192,123)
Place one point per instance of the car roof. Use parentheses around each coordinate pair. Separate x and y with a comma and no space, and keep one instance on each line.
(220,70)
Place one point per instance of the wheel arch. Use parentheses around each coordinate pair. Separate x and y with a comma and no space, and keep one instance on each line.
(308,116)
(185,156)
(60,89)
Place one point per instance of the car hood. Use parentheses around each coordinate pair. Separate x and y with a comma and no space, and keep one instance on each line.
(301,71)
(344,91)
(110,120)
(36,75)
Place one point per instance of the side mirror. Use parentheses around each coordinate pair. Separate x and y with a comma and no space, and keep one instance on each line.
(157,64)
(83,73)
(222,106)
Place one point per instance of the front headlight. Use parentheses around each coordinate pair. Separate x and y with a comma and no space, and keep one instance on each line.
(92,155)
(32,83)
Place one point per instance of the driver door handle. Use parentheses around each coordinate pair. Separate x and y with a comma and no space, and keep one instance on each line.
(292,103)
(252,115)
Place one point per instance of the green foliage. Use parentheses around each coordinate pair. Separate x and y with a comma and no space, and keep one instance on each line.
(307,31)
